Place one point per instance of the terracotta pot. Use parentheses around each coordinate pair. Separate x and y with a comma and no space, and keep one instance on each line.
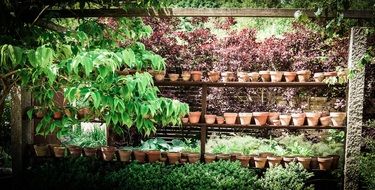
(243,77)
(260,118)
(233,156)
(230,118)
(140,156)
(214,76)
(254,76)
(196,75)
(193,157)
(219,119)
(124,155)
(173,157)
(290,76)
(265,154)
(265,75)
(276,76)
(338,118)
(57,115)
(285,119)
(245,118)
(108,152)
(59,151)
(159,75)
(330,74)
(41,150)
(90,152)
(319,77)
(298,119)
(335,161)
(312,118)
(83,112)
(314,164)
(325,121)
(186,75)
(227,76)
(173,76)
(260,162)
(305,161)
(223,156)
(194,117)
(51,147)
(185,120)
(276,122)
(244,159)
(274,160)
(208,158)
(153,155)
(287,160)
(273,116)
(210,119)
(75,151)
(303,76)
(325,163)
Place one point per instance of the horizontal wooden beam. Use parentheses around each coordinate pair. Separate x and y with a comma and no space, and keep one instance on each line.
(196,12)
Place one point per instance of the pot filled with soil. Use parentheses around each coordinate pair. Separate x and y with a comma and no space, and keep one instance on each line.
(290,76)
(210,119)
(312,118)
(338,118)
(298,119)
(245,118)
(153,155)
(260,118)
(196,75)
(244,159)
(194,117)
(285,119)
(276,76)
(304,75)
(124,155)
(230,118)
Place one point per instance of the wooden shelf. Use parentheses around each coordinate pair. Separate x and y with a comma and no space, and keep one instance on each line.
(240,84)
(261,127)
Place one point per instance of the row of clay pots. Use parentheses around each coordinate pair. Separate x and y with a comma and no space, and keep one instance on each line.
(266,76)
(57,115)
(273,118)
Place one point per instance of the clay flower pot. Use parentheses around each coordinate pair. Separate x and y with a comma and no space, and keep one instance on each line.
(173,157)
(274,160)
(90,152)
(305,161)
(223,156)
(140,156)
(318,77)
(288,159)
(83,112)
(124,155)
(194,117)
(209,158)
(243,77)
(260,162)
(185,120)
(210,119)
(245,118)
(303,76)
(41,150)
(260,118)
(330,74)
(244,159)
(254,76)
(325,121)
(196,75)
(153,155)
(230,118)
(265,75)
(312,118)
(75,151)
(325,163)
(227,76)
(59,151)
(193,157)
(220,119)
(159,75)
(273,116)
(335,161)
(108,152)
(338,118)
(285,119)
(290,76)
(214,76)
(298,119)
(314,164)
(276,76)
(173,76)
(186,75)
(57,115)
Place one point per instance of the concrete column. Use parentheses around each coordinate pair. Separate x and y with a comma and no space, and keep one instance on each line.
(357,48)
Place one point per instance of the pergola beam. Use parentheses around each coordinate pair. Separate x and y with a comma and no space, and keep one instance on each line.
(197,12)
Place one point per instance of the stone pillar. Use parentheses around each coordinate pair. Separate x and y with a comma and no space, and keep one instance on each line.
(16,130)
(357,48)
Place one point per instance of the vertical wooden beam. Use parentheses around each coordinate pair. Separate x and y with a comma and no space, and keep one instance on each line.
(16,130)
(357,48)
(204,127)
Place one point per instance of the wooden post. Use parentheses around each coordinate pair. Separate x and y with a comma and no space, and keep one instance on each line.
(204,127)
(16,130)
(357,48)
(28,125)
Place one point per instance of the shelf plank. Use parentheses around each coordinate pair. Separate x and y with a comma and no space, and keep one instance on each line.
(241,84)
(262,127)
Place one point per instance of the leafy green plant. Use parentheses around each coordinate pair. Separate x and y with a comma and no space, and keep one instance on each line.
(367,168)
(293,176)
(155,144)
(93,138)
